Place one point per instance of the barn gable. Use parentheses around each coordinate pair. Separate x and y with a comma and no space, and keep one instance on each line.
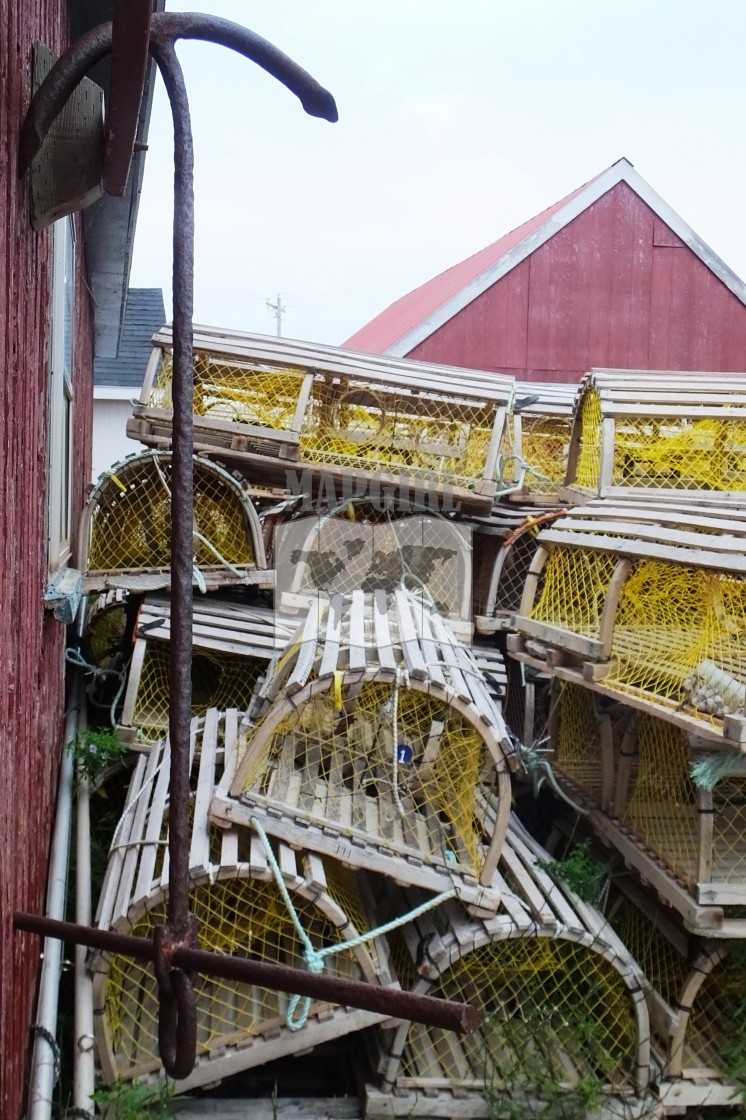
(608,276)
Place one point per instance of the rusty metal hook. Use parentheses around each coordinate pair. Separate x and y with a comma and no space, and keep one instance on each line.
(177,1001)
(90,48)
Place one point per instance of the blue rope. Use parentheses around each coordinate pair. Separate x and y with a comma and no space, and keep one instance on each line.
(314,957)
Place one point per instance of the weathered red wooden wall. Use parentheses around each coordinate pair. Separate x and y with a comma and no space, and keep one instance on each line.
(615,288)
(31,642)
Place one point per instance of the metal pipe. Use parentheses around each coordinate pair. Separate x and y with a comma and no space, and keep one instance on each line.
(392,1002)
(84,1073)
(45,1055)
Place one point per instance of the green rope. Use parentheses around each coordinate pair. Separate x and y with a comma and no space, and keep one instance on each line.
(314,957)
(708,769)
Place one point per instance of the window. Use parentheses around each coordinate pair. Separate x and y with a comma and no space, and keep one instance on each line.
(59,488)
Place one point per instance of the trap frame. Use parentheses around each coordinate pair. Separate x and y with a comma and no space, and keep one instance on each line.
(125,530)
(645,606)
(637,434)
(693,992)
(537,449)
(546,968)
(276,405)
(376,729)
(234,894)
(232,646)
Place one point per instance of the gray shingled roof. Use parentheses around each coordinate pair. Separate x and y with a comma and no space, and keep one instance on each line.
(144,314)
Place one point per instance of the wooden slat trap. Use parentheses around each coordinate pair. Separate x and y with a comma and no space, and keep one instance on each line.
(125,532)
(646,606)
(637,433)
(694,990)
(562,998)
(539,440)
(107,626)
(240,911)
(322,556)
(510,568)
(377,728)
(233,644)
(689,808)
(276,405)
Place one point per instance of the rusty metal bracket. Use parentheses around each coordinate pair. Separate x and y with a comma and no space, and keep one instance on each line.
(129,70)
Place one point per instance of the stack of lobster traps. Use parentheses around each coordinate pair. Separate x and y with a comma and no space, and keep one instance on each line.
(630,649)
(366,530)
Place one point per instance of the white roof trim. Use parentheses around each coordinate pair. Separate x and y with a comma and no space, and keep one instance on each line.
(621,171)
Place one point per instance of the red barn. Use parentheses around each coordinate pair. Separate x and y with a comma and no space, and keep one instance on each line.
(608,276)
(61,300)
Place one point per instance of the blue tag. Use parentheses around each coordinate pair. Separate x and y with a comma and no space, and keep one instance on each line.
(404,753)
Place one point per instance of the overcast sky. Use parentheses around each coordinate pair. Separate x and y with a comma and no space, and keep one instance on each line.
(459,119)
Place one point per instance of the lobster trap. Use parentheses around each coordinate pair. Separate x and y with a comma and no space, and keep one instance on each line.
(560,996)
(376,732)
(635,433)
(581,740)
(693,991)
(232,646)
(537,448)
(280,406)
(510,568)
(690,810)
(125,533)
(646,606)
(241,911)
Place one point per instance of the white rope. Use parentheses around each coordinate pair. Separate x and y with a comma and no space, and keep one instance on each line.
(402,675)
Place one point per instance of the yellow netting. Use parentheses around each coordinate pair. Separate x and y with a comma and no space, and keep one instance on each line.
(556,1012)
(573,589)
(346,423)
(418,434)
(675,452)
(663,804)
(131,518)
(544,446)
(661,962)
(105,634)
(678,635)
(729,830)
(588,468)
(236,917)
(332,760)
(518,556)
(578,748)
(219,680)
(716,1025)
(231,391)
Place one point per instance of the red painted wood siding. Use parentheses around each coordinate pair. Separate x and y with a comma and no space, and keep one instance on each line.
(31,642)
(616,287)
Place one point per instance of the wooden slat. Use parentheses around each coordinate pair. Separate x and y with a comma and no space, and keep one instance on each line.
(199,850)
(384,647)
(408,637)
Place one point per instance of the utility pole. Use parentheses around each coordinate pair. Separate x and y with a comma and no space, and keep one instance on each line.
(279,311)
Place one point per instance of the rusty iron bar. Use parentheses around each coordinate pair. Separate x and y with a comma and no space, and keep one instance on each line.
(130,42)
(392,1002)
(90,48)
(177,1018)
